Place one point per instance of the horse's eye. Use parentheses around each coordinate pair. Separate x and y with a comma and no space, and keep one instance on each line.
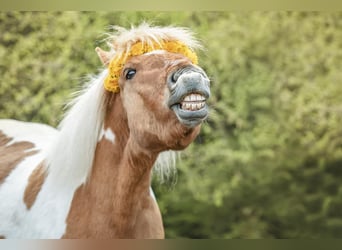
(130,73)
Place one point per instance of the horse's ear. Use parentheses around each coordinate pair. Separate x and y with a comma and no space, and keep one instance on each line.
(103,55)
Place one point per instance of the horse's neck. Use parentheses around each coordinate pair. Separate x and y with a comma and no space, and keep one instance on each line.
(117,187)
(130,164)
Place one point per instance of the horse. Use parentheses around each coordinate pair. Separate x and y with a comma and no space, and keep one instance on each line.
(91,177)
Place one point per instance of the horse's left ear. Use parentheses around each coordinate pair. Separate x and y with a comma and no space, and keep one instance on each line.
(103,55)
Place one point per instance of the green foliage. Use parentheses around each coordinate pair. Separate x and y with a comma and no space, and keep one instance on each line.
(267,163)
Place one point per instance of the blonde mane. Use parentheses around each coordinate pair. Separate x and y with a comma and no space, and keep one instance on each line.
(121,40)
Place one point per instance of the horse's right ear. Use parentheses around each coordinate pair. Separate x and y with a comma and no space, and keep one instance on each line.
(103,55)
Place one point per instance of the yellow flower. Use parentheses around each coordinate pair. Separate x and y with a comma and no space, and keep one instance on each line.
(115,66)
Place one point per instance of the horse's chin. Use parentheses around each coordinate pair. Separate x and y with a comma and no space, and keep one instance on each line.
(190,118)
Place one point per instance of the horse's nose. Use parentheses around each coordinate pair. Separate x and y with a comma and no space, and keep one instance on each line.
(187,75)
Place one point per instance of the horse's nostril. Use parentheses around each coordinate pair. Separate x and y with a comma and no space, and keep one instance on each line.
(174,77)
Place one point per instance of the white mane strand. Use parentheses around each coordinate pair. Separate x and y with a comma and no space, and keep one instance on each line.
(165,167)
(72,155)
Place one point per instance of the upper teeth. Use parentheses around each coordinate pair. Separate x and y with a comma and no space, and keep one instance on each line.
(193,102)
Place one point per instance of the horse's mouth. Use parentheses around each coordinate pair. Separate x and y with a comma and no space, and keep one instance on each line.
(192,109)
(193,102)
(189,90)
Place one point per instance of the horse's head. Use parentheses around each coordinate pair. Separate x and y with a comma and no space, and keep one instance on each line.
(163,91)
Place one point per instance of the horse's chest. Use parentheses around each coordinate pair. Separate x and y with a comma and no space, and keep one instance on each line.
(88,219)
(149,222)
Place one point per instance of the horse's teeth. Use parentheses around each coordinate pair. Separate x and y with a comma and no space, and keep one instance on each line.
(193,102)
(193,106)
(199,98)
(193,98)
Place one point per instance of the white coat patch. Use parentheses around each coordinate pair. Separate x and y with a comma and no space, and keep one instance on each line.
(107,134)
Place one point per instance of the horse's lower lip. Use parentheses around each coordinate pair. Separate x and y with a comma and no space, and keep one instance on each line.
(190,118)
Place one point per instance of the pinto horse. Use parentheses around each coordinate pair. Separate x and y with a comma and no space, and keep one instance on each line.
(91,177)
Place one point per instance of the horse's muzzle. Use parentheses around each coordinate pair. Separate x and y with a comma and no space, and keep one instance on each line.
(190,89)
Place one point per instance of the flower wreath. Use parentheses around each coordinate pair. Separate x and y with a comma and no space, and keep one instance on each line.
(116,65)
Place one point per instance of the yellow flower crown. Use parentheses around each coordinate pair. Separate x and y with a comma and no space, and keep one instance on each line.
(115,66)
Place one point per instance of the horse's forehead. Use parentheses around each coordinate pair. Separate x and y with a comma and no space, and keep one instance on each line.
(160,59)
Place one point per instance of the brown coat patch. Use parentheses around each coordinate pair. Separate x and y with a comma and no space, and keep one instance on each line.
(2,237)
(34,185)
(11,155)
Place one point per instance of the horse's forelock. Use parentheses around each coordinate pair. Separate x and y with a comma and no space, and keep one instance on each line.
(122,39)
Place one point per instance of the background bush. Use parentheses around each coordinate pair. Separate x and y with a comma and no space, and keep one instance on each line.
(268,162)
